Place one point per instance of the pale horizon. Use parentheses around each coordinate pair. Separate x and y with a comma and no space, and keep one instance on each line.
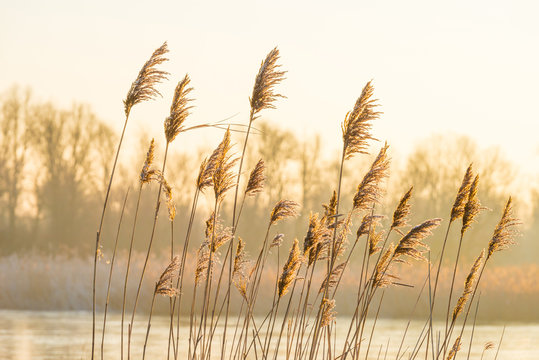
(463,69)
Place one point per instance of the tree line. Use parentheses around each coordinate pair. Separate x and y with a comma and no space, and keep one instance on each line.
(55,162)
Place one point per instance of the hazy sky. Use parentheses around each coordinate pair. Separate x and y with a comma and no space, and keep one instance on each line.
(464,67)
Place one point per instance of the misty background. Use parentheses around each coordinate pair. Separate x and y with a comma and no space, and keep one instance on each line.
(55,162)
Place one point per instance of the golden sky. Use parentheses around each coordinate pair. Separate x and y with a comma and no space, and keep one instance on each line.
(462,67)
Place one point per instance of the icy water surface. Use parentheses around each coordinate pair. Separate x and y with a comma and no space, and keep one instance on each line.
(26,335)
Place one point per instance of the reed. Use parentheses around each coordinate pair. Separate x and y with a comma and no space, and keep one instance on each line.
(303,307)
(142,89)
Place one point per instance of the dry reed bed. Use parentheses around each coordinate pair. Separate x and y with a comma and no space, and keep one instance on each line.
(299,294)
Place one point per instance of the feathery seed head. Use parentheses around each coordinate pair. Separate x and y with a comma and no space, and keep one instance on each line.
(146,172)
(164,285)
(267,78)
(143,88)
(505,231)
(382,277)
(239,273)
(369,190)
(411,244)
(208,166)
(472,207)
(454,349)
(256,179)
(277,241)
(374,239)
(203,260)
(223,176)
(357,125)
(332,278)
(367,222)
(290,269)
(167,189)
(330,209)
(457,211)
(179,110)
(284,209)
(328,315)
(400,216)
(468,286)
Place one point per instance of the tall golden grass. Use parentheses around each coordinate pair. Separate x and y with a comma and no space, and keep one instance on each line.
(300,292)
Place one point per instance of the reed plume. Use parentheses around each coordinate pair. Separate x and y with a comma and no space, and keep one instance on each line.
(367,222)
(410,244)
(277,241)
(454,349)
(374,239)
(369,190)
(315,233)
(317,238)
(207,168)
(179,110)
(457,211)
(203,259)
(468,286)
(290,269)
(356,128)
(171,207)
(147,172)
(339,246)
(330,209)
(400,216)
(164,284)
(382,277)
(267,78)
(223,177)
(472,207)
(222,236)
(256,179)
(505,231)
(143,88)
(332,278)
(328,314)
(282,210)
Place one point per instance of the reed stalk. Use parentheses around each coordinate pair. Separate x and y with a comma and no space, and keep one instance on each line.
(109,281)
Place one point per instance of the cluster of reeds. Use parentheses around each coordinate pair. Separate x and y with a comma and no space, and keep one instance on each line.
(301,321)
